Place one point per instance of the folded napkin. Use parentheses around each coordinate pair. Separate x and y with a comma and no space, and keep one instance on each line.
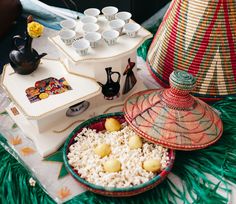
(49,16)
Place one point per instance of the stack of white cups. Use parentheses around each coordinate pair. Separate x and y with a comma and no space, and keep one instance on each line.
(67,33)
(90,27)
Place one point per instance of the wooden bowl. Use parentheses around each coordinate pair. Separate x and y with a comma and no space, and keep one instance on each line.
(98,124)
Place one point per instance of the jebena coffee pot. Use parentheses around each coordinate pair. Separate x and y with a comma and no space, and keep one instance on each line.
(24,59)
(111,89)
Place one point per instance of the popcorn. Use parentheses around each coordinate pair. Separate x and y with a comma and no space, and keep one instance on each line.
(90,165)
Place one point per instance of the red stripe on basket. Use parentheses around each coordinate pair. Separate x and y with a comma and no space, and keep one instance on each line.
(193,69)
(162,24)
(230,38)
(169,52)
(168,11)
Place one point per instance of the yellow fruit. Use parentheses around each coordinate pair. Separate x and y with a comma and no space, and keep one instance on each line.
(135,142)
(103,150)
(153,165)
(112,124)
(112,165)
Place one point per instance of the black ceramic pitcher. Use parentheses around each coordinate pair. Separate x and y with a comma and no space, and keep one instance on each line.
(24,59)
(111,88)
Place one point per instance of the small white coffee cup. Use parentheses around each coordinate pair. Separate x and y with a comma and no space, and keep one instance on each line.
(124,15)
(109,12)
(110,36)
(81,46)
(117,25)
(92,12)
(93,38)
(68,24)
(131,29)
(90,27)
(67,36)
(88,19)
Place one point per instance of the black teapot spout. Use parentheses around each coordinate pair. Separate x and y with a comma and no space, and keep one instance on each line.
(100,84)
(40,56)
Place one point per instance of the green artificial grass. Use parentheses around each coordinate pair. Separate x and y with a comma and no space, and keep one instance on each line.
(218,160)
(14,180)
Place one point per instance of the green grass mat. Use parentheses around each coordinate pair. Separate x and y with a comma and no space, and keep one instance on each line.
(218,160)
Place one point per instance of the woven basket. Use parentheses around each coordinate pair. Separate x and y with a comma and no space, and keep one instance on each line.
(98,124)
(198,37)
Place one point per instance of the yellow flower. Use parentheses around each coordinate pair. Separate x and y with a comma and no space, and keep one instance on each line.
(34,29)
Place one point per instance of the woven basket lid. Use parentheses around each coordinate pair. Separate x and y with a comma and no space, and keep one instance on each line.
(172,117)
(198,37)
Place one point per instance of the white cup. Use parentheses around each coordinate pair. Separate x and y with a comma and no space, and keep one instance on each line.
(125,16)
(110,36)
(93,38)
(90,27)
(109,12)
(131,29)
(117,25)
(68,24)
(81,46)
(67,36)
(92,12)
(88,19)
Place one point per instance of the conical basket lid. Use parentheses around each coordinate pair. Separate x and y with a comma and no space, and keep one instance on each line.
(198,37)
(172,117)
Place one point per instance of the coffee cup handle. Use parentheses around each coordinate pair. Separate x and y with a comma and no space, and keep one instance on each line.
(122,32)
(77,38)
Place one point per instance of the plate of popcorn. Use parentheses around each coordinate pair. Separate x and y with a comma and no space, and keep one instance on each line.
(107,157)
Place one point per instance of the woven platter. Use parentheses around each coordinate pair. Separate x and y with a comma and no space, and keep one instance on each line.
(98,124)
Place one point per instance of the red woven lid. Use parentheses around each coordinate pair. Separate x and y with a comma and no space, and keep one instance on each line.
(172,117)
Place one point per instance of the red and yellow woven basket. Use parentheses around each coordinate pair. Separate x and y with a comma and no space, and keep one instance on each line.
(198,37)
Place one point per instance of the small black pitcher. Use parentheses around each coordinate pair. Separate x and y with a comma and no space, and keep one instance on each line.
(24,59)
(111,88)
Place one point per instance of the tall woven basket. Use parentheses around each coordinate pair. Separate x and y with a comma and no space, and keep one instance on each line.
(198,37)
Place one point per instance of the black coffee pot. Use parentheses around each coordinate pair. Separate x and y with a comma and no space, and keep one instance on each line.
(111,88)
(24,59)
